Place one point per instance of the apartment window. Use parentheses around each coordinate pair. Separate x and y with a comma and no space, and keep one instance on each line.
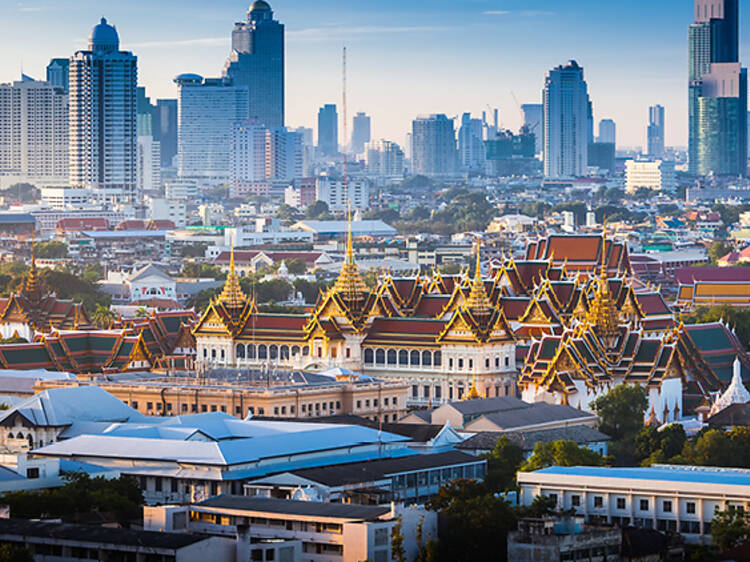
(414,391)
(667,506)
(338,404)
(213,407)
(158,406)
(275,410)
(359,404)
(149,406)
(438,392)
(291,409)
(598,501)
(643,505)
(330,405)
(184,408)
(385,401)
(304,407)
(237,410)
(575,500)
(204,408)
(261,411)
(169,406)
(620,503)
(690,507)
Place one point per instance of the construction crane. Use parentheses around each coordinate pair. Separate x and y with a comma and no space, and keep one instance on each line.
(523,116)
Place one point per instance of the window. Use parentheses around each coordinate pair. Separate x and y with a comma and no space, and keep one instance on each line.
(438,392)
(385,401)
(620,503)
(369,357)
(575,500)
(359,404)
(643,505)
(367,403)
(414,391)
(667,506)
(487,363)
(690,507)
(395,400)
(497,361)
(149,406)
(338,404)
(426,391)
(32,472)
(553,498)
(134,405)
(461,363)
(598,501)
(507,361)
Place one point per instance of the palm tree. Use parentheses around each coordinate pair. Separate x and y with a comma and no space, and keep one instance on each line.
(141,312)
(103,316)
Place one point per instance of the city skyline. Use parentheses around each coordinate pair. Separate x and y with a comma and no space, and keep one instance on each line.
(495,47)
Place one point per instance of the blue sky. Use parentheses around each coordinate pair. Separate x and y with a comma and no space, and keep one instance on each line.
(405,57)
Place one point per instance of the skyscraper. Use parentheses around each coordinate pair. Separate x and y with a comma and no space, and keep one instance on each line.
(257,62)
(655,132)
(434,146)
(532,120)
(717,91)
(103,140)
(148,165)
(470,143)
(33,133)
(165,130)
(360,132)
(328,130)
(566,122)
(607,132)
(57,73)
(208,111)
(384,158)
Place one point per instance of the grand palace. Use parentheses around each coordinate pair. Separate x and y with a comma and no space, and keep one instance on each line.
(563,325)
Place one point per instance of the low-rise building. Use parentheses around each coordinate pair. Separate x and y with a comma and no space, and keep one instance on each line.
(582,435)
(657,175)
(663,497)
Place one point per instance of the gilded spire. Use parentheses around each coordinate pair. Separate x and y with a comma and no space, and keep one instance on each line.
(32,287)
(350,285)
(478,301)
(232,295)
(603,314)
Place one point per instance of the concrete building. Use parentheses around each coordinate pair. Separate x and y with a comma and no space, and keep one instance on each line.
(209,109)
(471,149)
(259,154)
(103,139)
(657,175)
(257,64)
(33,133)
(58,74)
(566,122)
(384,158)
(361,132)
(607,131)
(328,130)
(163,209)
(434,146)
(340,195)
(165,130)
(148,166)
(533,119)
(655,132)
(666,498)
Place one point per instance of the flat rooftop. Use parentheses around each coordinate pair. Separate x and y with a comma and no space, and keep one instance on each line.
(670,473)
(294,507)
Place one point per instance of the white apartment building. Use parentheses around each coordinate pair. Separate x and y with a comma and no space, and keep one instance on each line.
(662,497)
(384,158)
(174,210)
(340,195)
(208,110)
(657,175)
(182,189)
(33,134)
(66,197)
(149,164)
(102,117)
(259,153)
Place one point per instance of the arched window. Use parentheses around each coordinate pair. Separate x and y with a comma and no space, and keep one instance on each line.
(222,353)
(391,356)
(368,356)
(205,353)
(262,351)
(273,351)
(426,358)
(414,357)
(240,350)
(284,352)
(380,357)
(31,441)
(295,350)
(437,359)
(251,351)
(213,354)
(306,351)
(403,357)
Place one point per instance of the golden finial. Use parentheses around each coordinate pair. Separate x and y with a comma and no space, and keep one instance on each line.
(232,295)
(478,301)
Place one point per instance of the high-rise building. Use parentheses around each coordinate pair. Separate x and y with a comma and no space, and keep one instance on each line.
(165,130)
(532,120)
(607,132)
(470,143)
(328,130)
(360,132)
(308,149)
(384,158)
(434,146)
(103,139)
(148,164)
(57,73)
(33,133)
(208,110)
(257,62)
(717,91)
(260,154)
(567,122)
(655,132)
(340,195)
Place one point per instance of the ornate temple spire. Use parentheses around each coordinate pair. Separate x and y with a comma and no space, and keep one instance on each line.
(478,301)
(232,295)
(350,285)
(736,393)
(32,285)
(603,315)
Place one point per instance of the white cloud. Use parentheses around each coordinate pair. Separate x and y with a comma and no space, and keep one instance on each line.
(203,41)
(497,12)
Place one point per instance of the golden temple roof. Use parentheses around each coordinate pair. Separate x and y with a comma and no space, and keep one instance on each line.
(478,301)
(232,295)
(350,285)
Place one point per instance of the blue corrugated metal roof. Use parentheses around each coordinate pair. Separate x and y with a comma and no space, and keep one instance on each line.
(704,475)
(12,218)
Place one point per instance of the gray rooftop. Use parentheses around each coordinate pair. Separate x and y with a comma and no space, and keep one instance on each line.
(294,507)
(487,405)
(527,440)
(539,413)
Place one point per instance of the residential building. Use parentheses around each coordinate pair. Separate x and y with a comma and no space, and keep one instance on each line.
(308,149)
(165,130)
(149,149)
(566,122)
(384,158)
(679,499)
(257,64)
(717,111)
(328,130)
(533,119)
(471,143)
(655,132)
(208,111)
(434,146)
(58,71)
(173,210)
(102,119)
(343,194)
(607,132)
(657,175)
(508,154)
(33,133)
(361,132)
(601,156)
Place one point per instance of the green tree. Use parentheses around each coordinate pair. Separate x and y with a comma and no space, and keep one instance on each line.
(561,453)
(287,213)
(318,211)
(296,266)
(578,208)
(202,270)
(102,316)
(737,317)
(729,214)
(653,446)
(141,312)
(502,464)
(541,506)
(621,413)
(718,250)
(15,553)
(729,528)
(397,541)
(194,250)
(711,448)
(51,250)
(309,289)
